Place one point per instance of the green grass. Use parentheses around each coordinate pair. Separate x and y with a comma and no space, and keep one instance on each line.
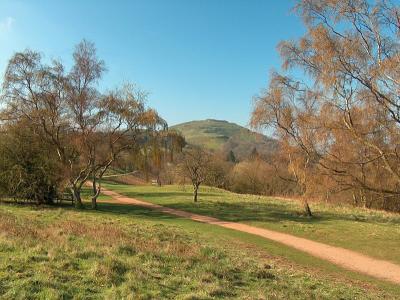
(373,233)
(127,252)
(211,134)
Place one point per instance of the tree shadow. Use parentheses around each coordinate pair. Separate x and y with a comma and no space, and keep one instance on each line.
(245,211)
(107,208)
(238,211)
(166,194)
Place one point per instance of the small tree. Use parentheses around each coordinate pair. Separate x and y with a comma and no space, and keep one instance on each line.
(195,165)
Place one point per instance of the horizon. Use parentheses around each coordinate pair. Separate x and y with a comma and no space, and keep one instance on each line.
(196,60)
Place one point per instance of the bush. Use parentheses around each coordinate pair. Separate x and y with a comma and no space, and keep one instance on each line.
(28,170)
(256,176)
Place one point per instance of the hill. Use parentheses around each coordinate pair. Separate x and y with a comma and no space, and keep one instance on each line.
(220,135)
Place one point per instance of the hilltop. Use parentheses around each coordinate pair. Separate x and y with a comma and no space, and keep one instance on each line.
(221,135)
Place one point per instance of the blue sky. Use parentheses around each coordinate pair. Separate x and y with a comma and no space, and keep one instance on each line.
(197,59)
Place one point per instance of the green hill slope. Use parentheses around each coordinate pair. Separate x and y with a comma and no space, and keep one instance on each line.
(225,136)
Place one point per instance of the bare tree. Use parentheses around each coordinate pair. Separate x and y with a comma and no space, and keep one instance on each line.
(290,113)
(344,116)
(195,165)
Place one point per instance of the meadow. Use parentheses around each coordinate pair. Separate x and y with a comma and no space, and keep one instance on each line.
(371,232)
(127,252)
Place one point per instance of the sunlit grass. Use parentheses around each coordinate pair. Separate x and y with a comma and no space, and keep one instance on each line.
(125,252)
(375,233)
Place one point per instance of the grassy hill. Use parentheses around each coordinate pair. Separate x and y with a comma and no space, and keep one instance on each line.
(225,136)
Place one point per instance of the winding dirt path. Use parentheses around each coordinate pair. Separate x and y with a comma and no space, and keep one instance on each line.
(345,258)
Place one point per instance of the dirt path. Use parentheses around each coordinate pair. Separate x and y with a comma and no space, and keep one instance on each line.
(345,258)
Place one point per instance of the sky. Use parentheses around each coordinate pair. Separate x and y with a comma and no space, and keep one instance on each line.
(197,59)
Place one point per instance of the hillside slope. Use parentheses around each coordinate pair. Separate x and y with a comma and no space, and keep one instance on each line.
(219,135)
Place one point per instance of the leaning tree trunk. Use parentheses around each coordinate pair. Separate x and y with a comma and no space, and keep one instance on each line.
(307,209)
(96,193)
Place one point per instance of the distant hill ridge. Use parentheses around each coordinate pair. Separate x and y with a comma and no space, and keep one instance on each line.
(221,135)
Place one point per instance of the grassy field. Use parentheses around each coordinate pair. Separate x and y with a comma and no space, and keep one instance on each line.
(370,232)
(126,252)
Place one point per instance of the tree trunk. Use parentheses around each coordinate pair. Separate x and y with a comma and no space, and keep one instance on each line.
(355,200)
(195,192)
(307,209)
(94,202)
(76,196)
(96,193)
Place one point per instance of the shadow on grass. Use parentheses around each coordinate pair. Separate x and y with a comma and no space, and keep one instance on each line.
(104,208)
(31,204)
(228,213)
(245,211)
(237,211)
(131,210)
(268,212)
(231,211)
